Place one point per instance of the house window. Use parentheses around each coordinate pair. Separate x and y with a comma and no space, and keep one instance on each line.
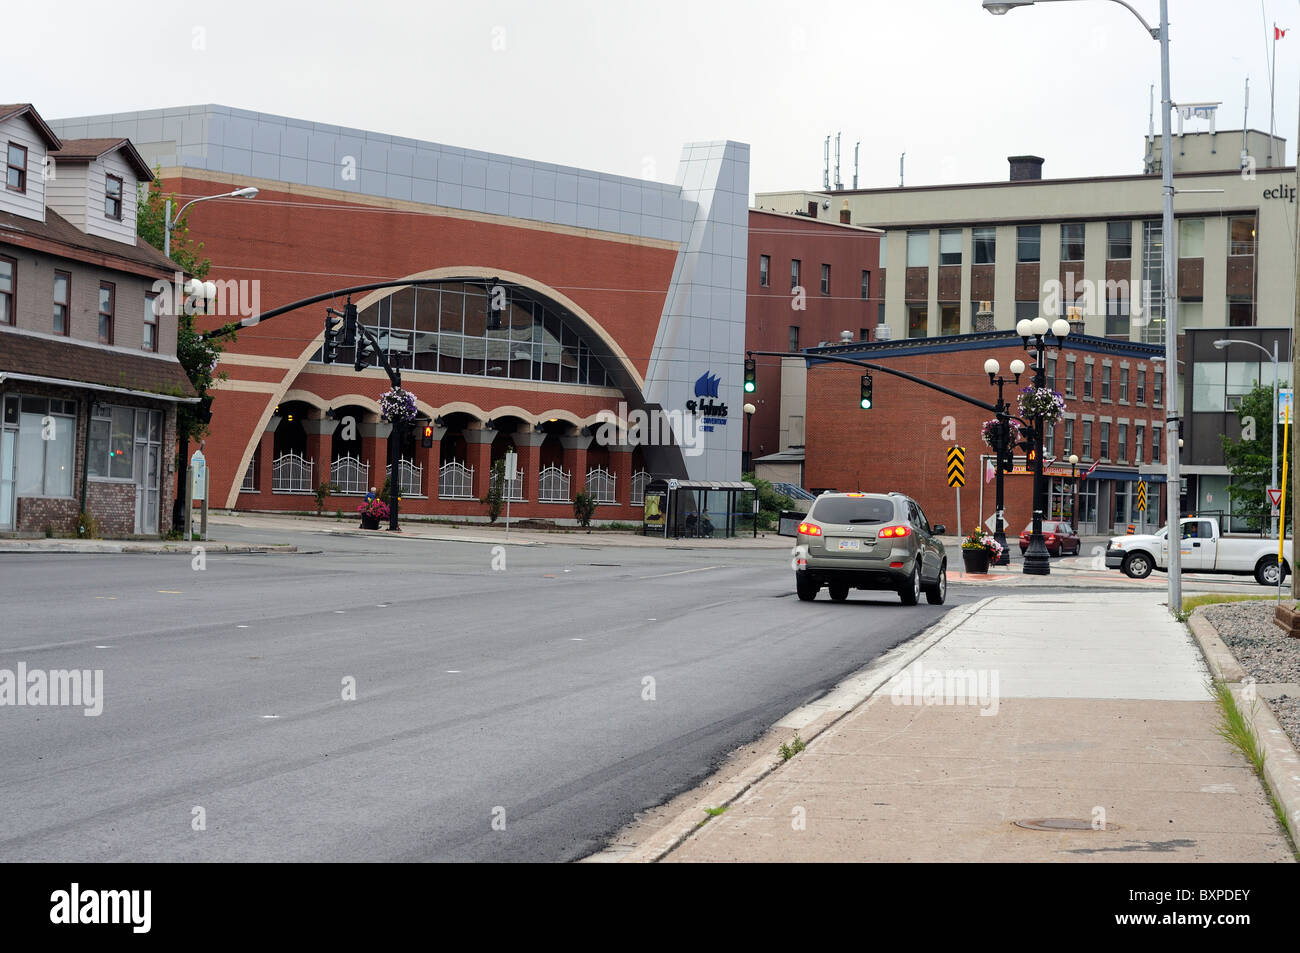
(950,246)
(1241,312)
(764,265)
(1241,235)
(1155,444)
(107,294)
(985,244)
(1140,438)
(795,266)
(1049,440)
(794,337)
(8,284)
(150,342)
(1087,382)
(1026,310)
(1069,436)
(864,334)
(1105,382)
(62,299)
(1142,385)
(826,279)
(1191,238)
(1069,377)
(1157,388)
(1123,385)
(1027,242)
(918,321)
(1087,441)
(113,197)
(1105,441)
(950,319)
(16,168)
(1072,242)
(45,465)
(1119,240)
(1051,373)
(918,249)
(1121,446)
(1117,312)
(866,285)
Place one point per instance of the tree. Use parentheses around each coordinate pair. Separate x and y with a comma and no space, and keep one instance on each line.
(584,507)
(770,502)
(197,356)
(496,491)
(1250,459)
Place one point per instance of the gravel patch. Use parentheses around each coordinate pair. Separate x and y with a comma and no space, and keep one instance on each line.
(1264,651)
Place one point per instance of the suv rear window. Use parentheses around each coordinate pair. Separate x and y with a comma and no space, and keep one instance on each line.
(844,509)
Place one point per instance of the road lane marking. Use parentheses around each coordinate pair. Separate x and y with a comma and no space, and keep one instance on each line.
(680,572)
(171,592)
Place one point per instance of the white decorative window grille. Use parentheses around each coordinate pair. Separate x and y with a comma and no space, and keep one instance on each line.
(409,477)
(291,473)
(553,485)
(455,481)
(600,485)
(639,481)
(350,475)
(250,479)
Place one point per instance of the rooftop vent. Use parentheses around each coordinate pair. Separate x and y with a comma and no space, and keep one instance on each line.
(1025,167)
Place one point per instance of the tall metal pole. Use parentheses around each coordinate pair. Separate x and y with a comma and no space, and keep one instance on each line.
(1273,430)
(167,229)
(1172,479)
(1038,561)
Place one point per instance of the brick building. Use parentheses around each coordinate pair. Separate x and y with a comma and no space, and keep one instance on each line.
(1114,418)
(89,380)
(623,295)
(811,281)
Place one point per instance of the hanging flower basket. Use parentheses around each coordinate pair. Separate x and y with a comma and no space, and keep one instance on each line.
(986,432)
(397,407)
(1042,402)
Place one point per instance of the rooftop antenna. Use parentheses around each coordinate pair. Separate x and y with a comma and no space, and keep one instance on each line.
(855,162)
(1151,128)
(1272,83)
(1245,111)
(826,172)
(900,168)
(838,184)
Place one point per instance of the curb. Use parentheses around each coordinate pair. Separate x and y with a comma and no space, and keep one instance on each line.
(175,549)
(1281,761)
(812,719)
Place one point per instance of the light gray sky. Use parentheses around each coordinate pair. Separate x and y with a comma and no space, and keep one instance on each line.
(618,87)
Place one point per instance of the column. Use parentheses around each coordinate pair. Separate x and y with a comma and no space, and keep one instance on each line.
(374,448)
(320,431)
(575,459)
(266,468)
(528,444)
(478,448)
(620,464)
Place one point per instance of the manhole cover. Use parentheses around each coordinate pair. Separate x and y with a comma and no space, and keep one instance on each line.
(1062,824)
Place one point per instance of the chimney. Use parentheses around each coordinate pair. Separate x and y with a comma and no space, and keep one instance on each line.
(812,209)
(845,214)
(1025,167)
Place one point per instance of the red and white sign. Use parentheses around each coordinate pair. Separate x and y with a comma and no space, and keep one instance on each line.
(1275,495)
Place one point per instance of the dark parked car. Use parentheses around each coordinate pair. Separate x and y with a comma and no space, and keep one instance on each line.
(1060,538)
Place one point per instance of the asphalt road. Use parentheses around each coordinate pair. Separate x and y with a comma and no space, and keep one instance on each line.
(481,694)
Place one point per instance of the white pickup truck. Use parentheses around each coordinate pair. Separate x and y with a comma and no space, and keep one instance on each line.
(1203,549)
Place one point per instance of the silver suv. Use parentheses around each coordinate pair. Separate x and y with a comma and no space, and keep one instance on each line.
(870,541)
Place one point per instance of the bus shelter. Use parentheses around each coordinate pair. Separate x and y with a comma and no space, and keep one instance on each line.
(699,509)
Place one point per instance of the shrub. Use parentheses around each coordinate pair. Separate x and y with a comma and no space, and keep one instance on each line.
(584,507)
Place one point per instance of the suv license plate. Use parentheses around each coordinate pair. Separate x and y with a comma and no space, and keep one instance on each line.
(849,545)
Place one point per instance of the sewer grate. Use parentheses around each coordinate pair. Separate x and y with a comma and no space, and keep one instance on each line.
(1062,824)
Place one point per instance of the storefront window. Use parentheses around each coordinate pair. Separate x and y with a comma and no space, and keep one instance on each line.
(45,447)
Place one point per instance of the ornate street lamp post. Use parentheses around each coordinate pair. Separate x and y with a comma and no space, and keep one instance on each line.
(1034,334)
(1002,447)
(1074,484)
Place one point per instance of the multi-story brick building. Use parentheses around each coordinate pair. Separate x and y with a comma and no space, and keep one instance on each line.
(624,295)
(89,379)
(1114,418)
(811,281)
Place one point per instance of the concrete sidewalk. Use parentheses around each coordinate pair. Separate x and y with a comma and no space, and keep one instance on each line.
(1078,709)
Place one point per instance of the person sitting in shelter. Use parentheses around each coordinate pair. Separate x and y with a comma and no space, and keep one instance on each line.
(706,526)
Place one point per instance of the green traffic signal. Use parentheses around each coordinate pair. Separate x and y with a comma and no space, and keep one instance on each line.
(865,401)
(751,375)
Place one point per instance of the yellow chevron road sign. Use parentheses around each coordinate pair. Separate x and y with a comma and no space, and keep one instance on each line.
(1142,496)
(956,466)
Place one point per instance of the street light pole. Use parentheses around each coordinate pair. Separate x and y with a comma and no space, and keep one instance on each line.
(1169,309)
(1272,426)
(750,410)
(169,223)
(1074,485)
(1034,334)
(992,368)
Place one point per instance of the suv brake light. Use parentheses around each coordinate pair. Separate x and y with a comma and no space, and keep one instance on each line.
(895,532)
(809,529)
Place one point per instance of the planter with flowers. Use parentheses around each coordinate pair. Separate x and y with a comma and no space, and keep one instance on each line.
(397,407)
(1042,402)
(978,550)
(373,512)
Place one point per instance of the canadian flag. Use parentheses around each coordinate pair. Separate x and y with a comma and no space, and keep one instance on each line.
(1278,34)
(1088,472)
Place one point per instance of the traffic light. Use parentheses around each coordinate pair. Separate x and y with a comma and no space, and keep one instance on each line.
(1028,445)
(203,412)
(349,325)
(426,441)
(333,331)
(751,375)
(865,402)
(364,350)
